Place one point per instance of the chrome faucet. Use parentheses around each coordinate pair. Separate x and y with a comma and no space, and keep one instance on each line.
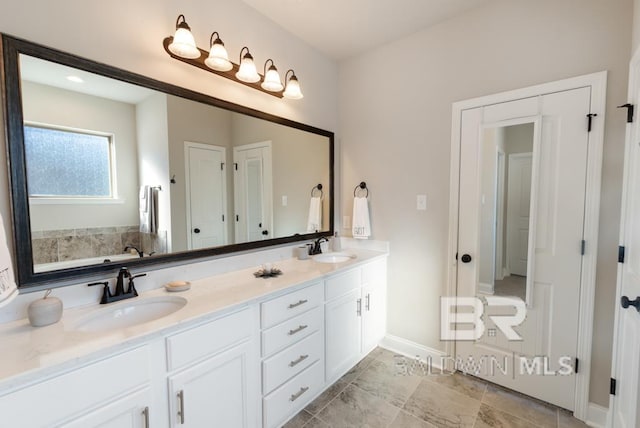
(315,248)
(119,294)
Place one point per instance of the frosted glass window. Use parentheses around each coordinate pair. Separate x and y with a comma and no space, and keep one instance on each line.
(69,164)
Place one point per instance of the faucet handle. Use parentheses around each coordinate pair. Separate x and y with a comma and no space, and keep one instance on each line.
(106,293)
(132,288)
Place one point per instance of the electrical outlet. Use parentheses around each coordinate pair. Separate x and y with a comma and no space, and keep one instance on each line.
(346,222)
(421,202)
(284,201)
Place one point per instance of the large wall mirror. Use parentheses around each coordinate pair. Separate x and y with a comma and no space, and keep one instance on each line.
(111,168)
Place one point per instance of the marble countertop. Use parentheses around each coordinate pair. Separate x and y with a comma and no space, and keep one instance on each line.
(28,354)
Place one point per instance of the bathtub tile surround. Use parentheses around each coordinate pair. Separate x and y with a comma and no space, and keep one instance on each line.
(50,246)
(433,401)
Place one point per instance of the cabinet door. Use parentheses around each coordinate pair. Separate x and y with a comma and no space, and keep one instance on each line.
(222,391)
(374,314)
(343,334)
(132,411)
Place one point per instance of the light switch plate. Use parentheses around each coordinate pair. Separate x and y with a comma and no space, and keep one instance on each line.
(346,222)
(421,202)
(284,201)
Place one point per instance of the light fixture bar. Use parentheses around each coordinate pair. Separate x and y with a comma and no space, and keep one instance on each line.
(230,74)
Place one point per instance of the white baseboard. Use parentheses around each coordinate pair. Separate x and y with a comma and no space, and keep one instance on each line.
(412,349)
(485,288)
(597,416)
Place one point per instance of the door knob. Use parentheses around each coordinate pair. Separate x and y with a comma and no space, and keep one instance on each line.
(466,258)
(196,230)
(265,232)
(625,302)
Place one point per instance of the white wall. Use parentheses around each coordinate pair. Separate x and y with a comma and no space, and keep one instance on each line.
(395,127)
(58,107)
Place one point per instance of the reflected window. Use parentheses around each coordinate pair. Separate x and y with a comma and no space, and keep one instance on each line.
(68,164)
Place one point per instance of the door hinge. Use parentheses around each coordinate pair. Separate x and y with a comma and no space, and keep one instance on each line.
(221,166)
(576,366)
(235,165)
(590,117)
(612,387)
(237,217)
(583,247)
(222,217)
(620,254)
(630,108)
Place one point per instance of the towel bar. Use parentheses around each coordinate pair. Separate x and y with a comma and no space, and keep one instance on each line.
(362,186)
(317,187)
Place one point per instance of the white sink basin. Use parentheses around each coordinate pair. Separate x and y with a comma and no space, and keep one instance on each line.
(333,257)
(130,313)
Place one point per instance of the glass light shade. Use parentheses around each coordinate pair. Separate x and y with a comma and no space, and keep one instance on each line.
(184,45)
(247,72)
(292,91)
(272,81)
(218,58)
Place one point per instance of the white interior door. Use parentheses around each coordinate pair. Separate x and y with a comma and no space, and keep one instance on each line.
(518,207)
(253,192)
(206,195)
(626,364)
(549,331)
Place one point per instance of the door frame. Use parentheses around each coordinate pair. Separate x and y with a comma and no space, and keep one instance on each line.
(631,133)
(187,190)
(598,84)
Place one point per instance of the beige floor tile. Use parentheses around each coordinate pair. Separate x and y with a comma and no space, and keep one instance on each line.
(352,374)
(488,417)
(380,380)
(405,420)
(357,408)
(298,420)
(332,392)
(538,413)
(442,406)
(464,384)
(316,423)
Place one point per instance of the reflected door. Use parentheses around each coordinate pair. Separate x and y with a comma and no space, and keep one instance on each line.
(539,360)
(518,207)
(253,190)
(205,195)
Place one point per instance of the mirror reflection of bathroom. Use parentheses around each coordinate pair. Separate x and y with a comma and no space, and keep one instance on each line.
(505,196)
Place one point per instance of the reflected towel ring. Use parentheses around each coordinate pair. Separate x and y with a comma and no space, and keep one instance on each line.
(318,187)
(362,186)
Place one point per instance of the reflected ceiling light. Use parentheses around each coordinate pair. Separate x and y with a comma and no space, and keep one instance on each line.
(75,79)
(183,44)
(218,58)
(271,81)
(292,90)
(247,72)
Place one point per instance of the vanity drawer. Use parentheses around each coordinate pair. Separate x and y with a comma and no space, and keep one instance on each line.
(342,284)
(292,396)
(287,306)
(375,273)
(192,345)
(291,361)
(291,331)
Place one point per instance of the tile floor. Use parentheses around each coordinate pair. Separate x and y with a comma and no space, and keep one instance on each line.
(372,394)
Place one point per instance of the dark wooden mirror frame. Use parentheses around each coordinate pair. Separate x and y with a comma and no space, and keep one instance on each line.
(13,119)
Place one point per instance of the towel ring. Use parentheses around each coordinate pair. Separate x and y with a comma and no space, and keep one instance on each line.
(318,187)
(362,186)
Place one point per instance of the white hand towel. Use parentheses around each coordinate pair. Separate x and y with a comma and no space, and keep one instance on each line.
(314,223)
(361,227)
(148,209)
(8,288)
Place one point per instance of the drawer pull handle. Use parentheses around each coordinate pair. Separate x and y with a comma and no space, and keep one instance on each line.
(298,361)
(297,395)
(145,414)
(300,302)
(359,307)
(297,330)
(181,406)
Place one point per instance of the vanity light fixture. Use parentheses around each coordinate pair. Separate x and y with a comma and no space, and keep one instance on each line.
(183,43)
(182,46)
(271,81)
(218,58)
(247,72)
(292,90)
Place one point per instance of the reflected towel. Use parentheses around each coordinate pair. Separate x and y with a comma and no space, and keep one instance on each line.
(361,227)
(149,210)
(8,288)
(314,223)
